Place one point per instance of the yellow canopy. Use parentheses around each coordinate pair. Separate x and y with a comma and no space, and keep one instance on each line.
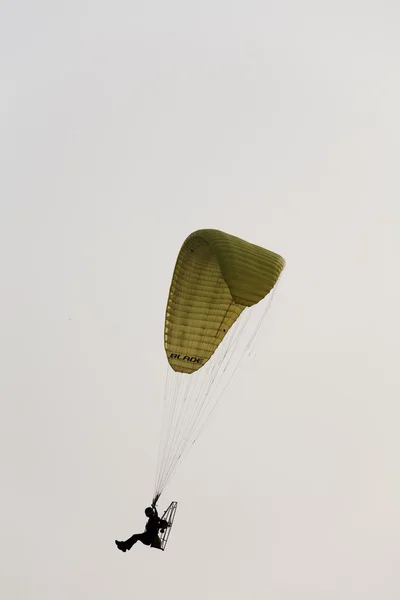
(216,277)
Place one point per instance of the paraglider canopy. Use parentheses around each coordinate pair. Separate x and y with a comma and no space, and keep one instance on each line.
(216,277)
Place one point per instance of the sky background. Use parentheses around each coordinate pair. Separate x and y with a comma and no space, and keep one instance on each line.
(126,125)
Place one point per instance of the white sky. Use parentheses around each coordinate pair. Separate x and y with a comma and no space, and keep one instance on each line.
(126,125)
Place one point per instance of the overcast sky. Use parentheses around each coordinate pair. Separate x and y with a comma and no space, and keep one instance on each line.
(126,125)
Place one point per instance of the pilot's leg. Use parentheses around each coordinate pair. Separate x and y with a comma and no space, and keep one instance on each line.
(127,544)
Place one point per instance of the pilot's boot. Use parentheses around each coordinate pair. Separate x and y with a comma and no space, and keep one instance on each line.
(121,546)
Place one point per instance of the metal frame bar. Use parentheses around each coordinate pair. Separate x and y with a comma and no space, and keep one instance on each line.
(169,516)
